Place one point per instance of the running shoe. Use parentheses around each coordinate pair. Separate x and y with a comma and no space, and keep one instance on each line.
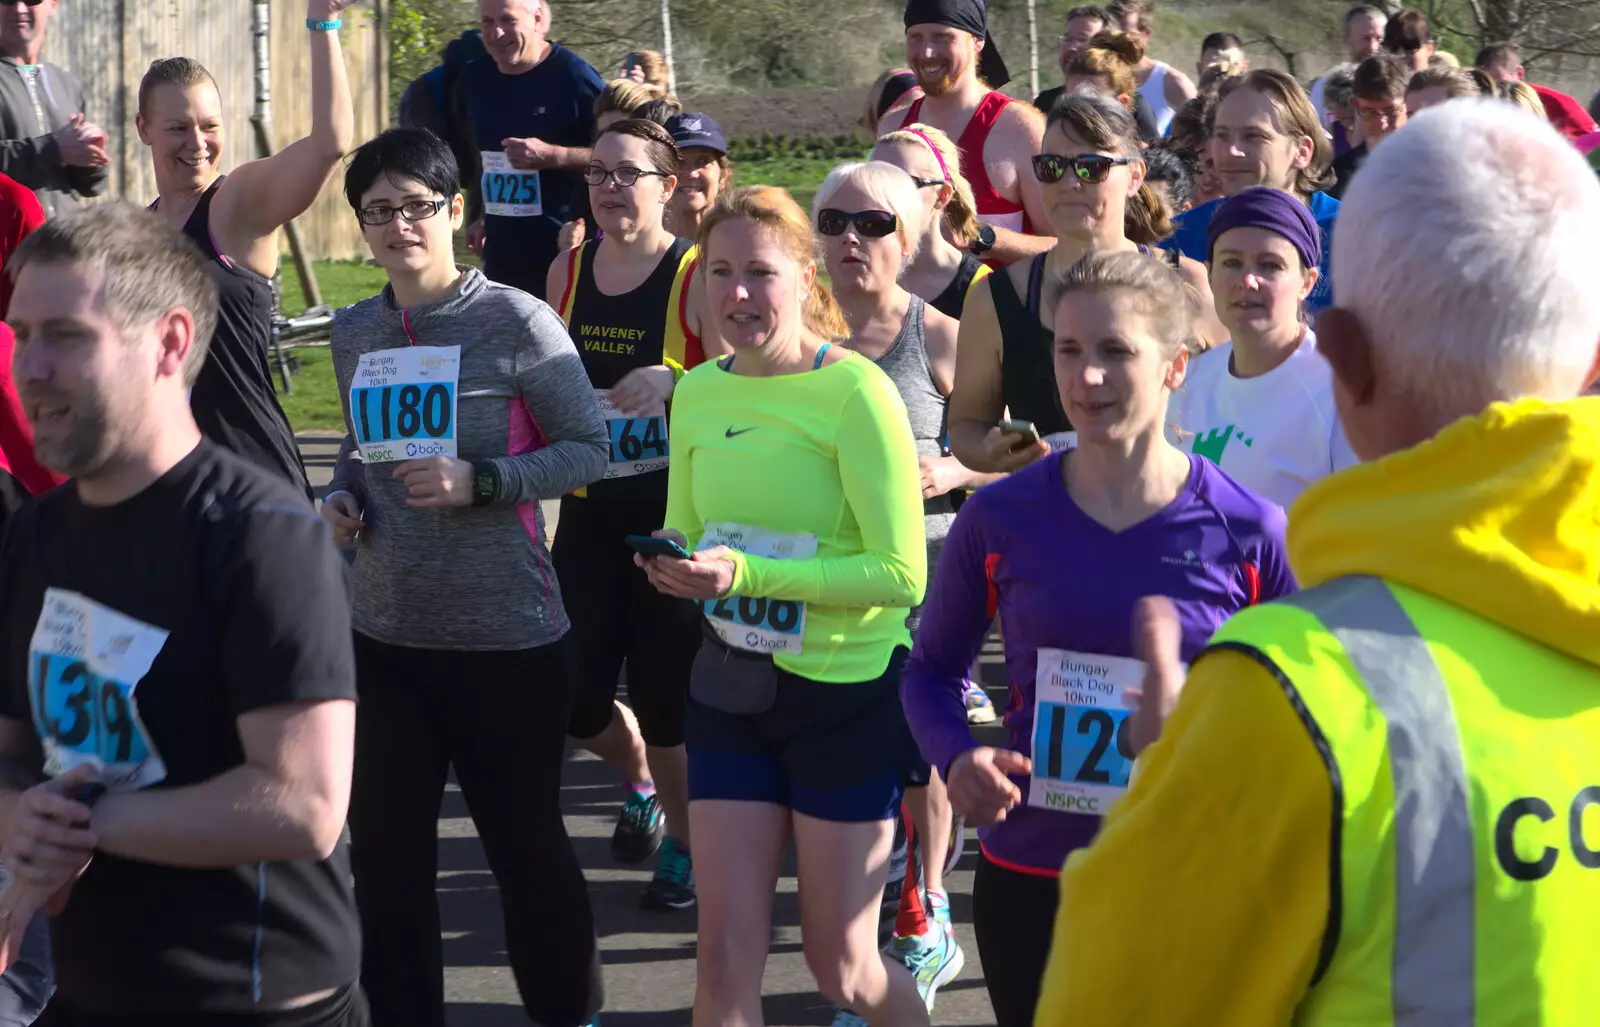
(673,885)
(958,845)
(979,709)
(934,959)
(639,831)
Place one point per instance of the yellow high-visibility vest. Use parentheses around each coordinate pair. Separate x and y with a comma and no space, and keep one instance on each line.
(1464,764)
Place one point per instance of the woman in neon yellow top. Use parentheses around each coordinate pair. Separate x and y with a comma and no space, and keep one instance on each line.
(794,478)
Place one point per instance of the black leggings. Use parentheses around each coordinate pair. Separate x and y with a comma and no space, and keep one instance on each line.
(1013,920)
(501,719)
(617,616)
(346,1008)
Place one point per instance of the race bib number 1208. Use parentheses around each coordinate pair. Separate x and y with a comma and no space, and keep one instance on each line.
(84,663)
(755,623)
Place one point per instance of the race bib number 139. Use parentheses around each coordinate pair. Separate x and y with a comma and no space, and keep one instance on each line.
(754,623)
(84,663)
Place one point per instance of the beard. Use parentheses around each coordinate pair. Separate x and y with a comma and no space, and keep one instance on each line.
(936,84)
(81,446)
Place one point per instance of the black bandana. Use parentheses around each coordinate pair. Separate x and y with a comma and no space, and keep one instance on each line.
(970,16)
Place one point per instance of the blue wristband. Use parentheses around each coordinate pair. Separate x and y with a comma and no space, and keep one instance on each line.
(323,26)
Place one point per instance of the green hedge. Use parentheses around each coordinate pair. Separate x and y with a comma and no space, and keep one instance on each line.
(769,147)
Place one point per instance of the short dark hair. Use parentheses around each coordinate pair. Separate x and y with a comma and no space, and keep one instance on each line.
(1094,11)
(405,152)
(1381,78)
(1497,53)
(146,268)
(1361,11)
(1221,41)
(173,71)
(658,142)
(1162,164)
(1407,32)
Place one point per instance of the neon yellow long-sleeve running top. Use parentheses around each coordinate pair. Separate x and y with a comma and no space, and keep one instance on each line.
(812,480)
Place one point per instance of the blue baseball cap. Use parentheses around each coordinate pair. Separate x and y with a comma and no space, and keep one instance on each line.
(692,129)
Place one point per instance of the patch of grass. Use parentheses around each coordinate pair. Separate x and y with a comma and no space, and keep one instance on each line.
(315,406)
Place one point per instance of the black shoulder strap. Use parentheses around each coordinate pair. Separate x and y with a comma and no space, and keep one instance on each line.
(1036,285)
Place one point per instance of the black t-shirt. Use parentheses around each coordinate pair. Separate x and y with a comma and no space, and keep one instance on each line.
(138,633)
(1345,167)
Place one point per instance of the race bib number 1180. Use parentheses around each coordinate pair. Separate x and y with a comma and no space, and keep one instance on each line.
(403,403)
(84,663)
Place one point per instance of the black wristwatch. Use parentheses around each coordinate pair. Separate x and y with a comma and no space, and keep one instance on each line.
(485,483)
(983,243)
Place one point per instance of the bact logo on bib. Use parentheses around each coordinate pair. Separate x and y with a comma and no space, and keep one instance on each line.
(755,623)
(403,403)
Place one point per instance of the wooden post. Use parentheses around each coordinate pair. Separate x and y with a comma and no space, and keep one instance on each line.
(1033,50)
(261,119)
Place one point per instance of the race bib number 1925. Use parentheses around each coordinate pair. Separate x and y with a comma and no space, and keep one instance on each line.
(84,663)
(753,623)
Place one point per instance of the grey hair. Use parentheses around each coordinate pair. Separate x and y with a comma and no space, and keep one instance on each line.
(885,185)
(146,268)
(1339,86)
(1504,304)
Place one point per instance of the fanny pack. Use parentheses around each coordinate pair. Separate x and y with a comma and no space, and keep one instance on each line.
(732,680)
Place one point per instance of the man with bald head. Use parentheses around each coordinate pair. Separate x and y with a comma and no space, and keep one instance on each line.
(529,110)
(1375,801)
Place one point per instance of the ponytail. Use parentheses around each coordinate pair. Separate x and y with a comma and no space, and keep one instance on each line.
(961,212)
(823,316)
(1145,220)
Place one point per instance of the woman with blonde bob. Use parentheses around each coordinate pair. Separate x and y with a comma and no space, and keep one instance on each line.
(794,484)
(942,272)
(868,216)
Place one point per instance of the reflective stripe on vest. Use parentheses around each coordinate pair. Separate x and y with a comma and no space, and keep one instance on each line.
(1435,925)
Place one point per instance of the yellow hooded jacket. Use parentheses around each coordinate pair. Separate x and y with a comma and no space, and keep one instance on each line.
(1204,898)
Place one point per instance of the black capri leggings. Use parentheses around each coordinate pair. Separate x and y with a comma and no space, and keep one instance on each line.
(1013,919)
(500,718)
(618,616)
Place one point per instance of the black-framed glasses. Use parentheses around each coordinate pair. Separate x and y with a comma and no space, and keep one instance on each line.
(596,175)
(1091,168)
(928,183)
(413,210)
(870,224)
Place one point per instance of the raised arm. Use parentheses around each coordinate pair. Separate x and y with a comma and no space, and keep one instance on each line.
(262,196)
(1018,136)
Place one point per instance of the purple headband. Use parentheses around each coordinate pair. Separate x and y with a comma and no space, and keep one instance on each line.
(1273,210)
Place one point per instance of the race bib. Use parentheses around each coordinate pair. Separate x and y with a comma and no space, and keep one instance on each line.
(84,663)
(638,444)
(1062,441)
(403,403)
(1081,754)
(758,625)
(507,191)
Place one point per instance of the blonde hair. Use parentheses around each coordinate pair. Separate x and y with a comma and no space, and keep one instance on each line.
(961,213)
(652,64)
(887,186)
(1156,291)
(1455,82)
(1111,55)
(623,96)
(775,210)
(1444,59)
(1522,95)
(1212,78)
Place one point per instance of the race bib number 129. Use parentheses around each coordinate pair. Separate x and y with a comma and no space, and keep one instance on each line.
(1082,757)
(753,623)
(84,663)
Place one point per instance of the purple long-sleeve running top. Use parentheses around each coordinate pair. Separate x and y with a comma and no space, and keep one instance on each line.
(1064,587)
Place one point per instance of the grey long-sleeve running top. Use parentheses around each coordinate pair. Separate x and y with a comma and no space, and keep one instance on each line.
(474,577)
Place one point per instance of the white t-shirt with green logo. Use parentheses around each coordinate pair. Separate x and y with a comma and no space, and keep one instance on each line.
(1275,434)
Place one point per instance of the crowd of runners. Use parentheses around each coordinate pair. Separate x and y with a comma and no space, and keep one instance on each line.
(1250,417)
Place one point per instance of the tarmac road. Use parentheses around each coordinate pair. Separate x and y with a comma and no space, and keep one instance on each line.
(648,956)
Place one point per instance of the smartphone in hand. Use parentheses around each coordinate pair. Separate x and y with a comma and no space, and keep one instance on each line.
(1026,429)
(650,545)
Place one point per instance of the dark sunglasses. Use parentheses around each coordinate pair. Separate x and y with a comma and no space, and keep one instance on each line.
(928,183)
(596,175)
(1050,168)
(871,224)
(416,210)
